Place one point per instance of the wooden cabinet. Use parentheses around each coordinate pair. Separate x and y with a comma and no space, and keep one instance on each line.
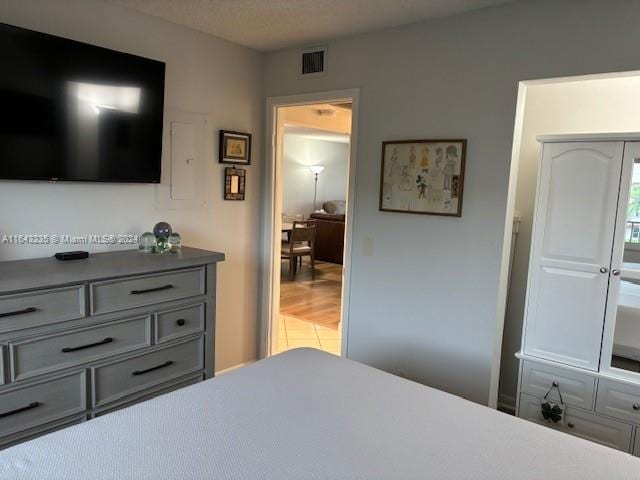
(580,287)
(148,328)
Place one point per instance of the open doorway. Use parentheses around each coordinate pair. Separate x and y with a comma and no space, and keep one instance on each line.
(307,238)
(314,169)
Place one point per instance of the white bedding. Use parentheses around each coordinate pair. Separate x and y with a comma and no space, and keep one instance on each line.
(305,414)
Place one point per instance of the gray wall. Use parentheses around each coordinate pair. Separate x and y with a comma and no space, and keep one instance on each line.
(204,74)
(300,152)
(425,303)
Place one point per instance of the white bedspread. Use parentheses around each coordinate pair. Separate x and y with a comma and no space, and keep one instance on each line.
(305,414)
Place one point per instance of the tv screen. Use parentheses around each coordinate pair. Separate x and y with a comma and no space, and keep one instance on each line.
(73,111)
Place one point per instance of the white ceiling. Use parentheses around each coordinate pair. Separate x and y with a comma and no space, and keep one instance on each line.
(268,25)
(315,134)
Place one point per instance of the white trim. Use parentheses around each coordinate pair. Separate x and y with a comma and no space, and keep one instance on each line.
(589,137)
(235,367)
(505,262)
(269,289)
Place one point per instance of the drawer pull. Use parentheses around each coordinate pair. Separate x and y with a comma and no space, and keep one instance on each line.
(82,347)
(31,406)
(150,290)
(18,312)
(157,367)
(570,425)
(636,406)
(180,322)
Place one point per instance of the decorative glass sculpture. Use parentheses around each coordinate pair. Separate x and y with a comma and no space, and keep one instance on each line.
(162,229)
(147,242)
(175,241)
(162,245)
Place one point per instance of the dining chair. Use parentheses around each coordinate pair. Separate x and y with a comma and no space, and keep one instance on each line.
(301,244)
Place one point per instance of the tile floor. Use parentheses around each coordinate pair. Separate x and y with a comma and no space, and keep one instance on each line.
(295,333)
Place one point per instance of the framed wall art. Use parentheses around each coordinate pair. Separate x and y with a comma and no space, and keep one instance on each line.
(423,176)
(234,183)
(235,147)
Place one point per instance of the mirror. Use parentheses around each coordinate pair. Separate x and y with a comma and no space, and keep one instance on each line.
(626,340)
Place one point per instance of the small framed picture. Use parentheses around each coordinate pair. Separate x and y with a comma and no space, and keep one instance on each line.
(423,176)
(235,147)
(234,183)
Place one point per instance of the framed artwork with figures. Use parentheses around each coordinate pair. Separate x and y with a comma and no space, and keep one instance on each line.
(423,176)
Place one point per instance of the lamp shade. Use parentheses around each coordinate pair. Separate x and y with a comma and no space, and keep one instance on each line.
(316,168)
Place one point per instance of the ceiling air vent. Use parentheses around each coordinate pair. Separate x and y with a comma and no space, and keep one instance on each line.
(313,61)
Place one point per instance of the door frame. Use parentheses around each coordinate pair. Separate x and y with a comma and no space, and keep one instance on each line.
(271,223)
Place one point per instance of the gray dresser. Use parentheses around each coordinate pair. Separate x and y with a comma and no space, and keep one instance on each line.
(82,338)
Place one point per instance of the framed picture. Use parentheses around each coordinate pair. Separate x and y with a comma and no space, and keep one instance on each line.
(423,176)
(234,183)
(235,147)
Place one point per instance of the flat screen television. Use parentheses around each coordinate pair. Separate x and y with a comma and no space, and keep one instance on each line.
(73,111)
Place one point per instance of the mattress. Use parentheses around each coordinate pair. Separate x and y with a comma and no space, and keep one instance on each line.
(305,414)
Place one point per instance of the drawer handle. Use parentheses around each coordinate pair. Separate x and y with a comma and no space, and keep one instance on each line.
(570,425)
(157,367)
(32,405)
(149,290)
(89,345)
(636,406)
(180,322)
(18,312)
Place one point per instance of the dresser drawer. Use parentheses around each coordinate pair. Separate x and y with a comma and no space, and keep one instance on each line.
(636,447)
(577,389)
(2,357)
(52,352)
(153,393)
(117,379)
(26,310)
(114,295)
(39,403)
(33,433)
(618,400)
(580,423)
(179,322)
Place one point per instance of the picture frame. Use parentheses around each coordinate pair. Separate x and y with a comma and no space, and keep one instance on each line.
(235,148)
(234,183)
(423,176)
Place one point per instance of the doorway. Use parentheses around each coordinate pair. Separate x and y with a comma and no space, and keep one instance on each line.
(307,232)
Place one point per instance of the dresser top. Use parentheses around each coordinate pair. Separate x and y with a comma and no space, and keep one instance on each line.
(35,273)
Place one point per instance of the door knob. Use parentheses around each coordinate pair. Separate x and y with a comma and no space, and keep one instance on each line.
(604,269)
(615,272)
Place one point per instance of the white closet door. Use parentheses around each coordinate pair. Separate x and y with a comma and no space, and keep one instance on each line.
(571,251)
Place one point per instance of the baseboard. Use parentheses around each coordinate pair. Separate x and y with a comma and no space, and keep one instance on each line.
(235,367)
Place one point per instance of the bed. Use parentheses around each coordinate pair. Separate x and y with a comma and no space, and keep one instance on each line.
(305,414)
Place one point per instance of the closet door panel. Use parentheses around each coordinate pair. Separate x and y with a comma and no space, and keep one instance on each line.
(571,252)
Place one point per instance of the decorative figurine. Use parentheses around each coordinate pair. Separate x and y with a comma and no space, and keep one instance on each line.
(147,242)
(162,230)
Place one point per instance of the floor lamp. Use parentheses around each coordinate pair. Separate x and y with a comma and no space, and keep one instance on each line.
(316,169)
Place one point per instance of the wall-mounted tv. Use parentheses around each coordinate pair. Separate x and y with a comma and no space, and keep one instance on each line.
(73,111)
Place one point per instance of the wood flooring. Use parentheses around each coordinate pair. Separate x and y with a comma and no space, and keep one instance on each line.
(316,301)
